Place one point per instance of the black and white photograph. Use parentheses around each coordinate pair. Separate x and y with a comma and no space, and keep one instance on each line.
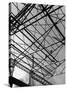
(36,44)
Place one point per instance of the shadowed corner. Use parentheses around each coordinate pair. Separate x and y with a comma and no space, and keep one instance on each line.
(15,82)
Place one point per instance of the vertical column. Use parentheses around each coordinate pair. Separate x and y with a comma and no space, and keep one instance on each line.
(10,59)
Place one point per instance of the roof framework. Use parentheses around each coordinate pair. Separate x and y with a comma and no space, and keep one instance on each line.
(36,40)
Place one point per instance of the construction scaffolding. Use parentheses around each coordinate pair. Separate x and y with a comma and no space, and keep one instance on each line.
(36,41)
